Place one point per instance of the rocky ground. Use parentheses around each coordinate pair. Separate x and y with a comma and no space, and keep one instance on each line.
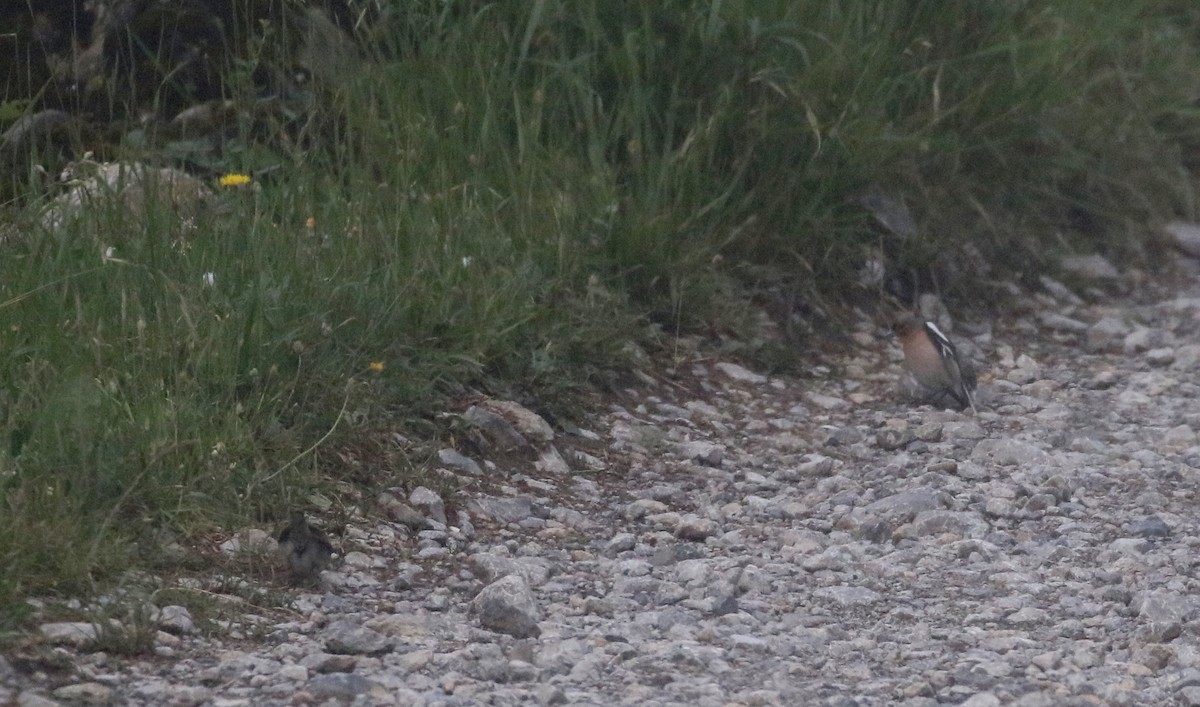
(719,537)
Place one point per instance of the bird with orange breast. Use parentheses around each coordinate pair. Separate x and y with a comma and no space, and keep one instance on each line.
(935,363)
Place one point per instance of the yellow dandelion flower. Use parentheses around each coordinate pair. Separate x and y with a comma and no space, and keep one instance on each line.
(376,366)
(234,180)
(310,223)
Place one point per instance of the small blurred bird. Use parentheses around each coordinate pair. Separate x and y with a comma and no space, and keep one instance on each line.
(305,550)
(934,362)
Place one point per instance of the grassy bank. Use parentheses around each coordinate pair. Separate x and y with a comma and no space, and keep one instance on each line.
(510,192)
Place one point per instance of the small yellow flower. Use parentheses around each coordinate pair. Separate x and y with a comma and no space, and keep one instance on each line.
(234,180)
(310,223)
(376,366)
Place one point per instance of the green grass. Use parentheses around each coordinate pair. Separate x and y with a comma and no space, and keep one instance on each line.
(510,192)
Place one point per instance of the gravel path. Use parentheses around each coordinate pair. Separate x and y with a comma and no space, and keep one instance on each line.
(724,538)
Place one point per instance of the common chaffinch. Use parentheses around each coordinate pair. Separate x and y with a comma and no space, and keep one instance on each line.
(305,549)
(933,361)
